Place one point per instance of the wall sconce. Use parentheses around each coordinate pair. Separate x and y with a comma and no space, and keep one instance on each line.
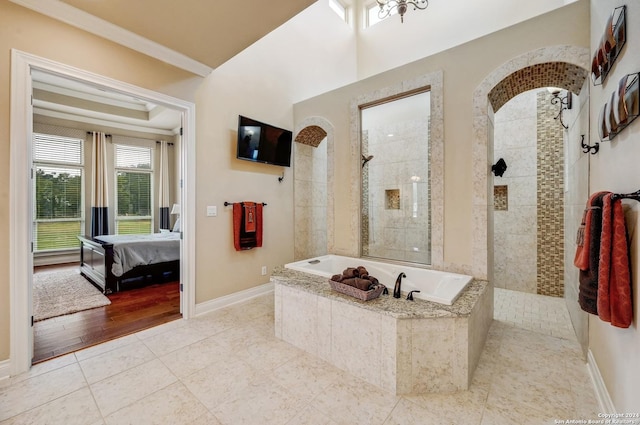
(499,168)
(565,103)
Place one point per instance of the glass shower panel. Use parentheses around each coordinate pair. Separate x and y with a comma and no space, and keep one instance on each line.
(395,218)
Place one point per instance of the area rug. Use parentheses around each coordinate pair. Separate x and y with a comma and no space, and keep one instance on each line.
(63,292)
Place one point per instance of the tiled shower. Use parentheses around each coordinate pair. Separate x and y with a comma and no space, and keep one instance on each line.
(528,199)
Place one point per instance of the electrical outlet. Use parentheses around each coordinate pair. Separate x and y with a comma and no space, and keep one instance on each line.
(264,270)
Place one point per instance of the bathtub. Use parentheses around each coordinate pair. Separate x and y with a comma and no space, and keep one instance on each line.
(435,286)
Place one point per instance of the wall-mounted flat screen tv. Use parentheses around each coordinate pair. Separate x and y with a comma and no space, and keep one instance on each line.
(260,142)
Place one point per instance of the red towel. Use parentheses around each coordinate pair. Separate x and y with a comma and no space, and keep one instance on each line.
(614,276)
(587,257)
(243,239)
(581,259)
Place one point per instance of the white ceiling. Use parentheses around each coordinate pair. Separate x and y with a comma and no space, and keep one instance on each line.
(63,98)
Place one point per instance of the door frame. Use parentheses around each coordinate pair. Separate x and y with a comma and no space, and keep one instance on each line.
(20,234)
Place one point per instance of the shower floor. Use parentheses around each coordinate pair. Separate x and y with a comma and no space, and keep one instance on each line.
(538,313)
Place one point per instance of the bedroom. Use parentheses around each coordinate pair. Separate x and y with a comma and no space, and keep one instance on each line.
(142,180)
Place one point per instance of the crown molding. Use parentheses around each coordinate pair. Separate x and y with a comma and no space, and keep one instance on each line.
(61,11)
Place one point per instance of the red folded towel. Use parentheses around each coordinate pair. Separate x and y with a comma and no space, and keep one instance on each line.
(243,239)
(614,276)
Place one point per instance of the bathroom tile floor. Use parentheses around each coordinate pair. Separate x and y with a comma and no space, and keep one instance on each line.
(226,367)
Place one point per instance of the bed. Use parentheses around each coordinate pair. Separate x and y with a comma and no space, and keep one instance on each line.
(109,260)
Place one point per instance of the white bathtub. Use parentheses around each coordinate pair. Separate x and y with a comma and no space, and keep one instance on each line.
(436,286)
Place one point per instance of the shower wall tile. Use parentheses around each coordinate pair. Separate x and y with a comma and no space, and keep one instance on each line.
(311,201)
(550,255)
(515,229)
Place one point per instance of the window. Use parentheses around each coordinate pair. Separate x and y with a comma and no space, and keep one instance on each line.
(339,8)
(372,14)
(133,189)
(58,192)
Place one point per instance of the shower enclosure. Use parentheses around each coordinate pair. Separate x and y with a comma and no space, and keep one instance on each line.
(395,204)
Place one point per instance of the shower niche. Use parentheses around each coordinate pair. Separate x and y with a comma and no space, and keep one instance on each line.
(395,191)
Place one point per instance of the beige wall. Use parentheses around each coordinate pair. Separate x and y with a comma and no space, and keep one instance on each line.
(220,177)
(33,33)
(464,67)
(615,168)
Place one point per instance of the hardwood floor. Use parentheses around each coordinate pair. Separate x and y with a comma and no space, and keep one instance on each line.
(130,311)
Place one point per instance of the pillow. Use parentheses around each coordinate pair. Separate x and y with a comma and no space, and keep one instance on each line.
(176,226)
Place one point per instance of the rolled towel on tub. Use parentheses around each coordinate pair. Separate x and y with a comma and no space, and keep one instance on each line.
(356,282)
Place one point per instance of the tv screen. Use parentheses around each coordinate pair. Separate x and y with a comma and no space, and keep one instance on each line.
(260,142)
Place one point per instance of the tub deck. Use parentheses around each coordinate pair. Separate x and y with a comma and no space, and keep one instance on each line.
(404,347)
(399,308)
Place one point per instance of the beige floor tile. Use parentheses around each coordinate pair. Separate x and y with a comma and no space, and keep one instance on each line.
(311,416)
(306,375)
(514,388)
(408,413)
(96,350)
(123,389)
(173,405)
(40,369)
(39,390)
(77,408)
(510,414)
(462,407)
(192,358)
(218,382)
(172,340)
(157,330)
(112,362)
(354,401)
(262,402)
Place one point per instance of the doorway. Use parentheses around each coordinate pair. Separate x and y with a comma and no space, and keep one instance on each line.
(21,260)
(532,70)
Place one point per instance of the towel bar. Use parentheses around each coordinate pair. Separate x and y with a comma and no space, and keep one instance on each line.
(634,195)
(226,204)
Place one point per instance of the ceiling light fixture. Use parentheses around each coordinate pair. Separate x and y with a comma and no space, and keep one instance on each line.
(387,7)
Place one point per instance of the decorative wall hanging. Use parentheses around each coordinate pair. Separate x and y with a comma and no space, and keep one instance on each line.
(611,43)
(622,109)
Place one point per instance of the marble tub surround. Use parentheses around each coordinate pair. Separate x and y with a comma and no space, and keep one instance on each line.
(385,304)
(403,347)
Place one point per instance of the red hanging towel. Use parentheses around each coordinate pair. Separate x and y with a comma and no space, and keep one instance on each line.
(243,239)
(614,275)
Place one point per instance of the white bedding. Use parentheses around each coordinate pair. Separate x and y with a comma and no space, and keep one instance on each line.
(130,251)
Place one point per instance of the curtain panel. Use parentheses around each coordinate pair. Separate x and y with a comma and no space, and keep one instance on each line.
(99,186)
(163,189)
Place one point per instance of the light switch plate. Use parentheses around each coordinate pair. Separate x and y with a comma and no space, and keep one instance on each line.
(212,211)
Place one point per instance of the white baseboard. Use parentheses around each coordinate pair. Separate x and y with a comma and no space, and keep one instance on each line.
(231,299)
(5,369)
(602,394)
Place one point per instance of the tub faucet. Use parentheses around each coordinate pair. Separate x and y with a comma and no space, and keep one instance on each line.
(396,289)
(410,296)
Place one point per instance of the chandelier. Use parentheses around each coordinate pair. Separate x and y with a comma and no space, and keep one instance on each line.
(387,7)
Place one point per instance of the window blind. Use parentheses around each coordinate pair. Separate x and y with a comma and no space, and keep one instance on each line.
(58,192)
(133,157)
(133,189)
